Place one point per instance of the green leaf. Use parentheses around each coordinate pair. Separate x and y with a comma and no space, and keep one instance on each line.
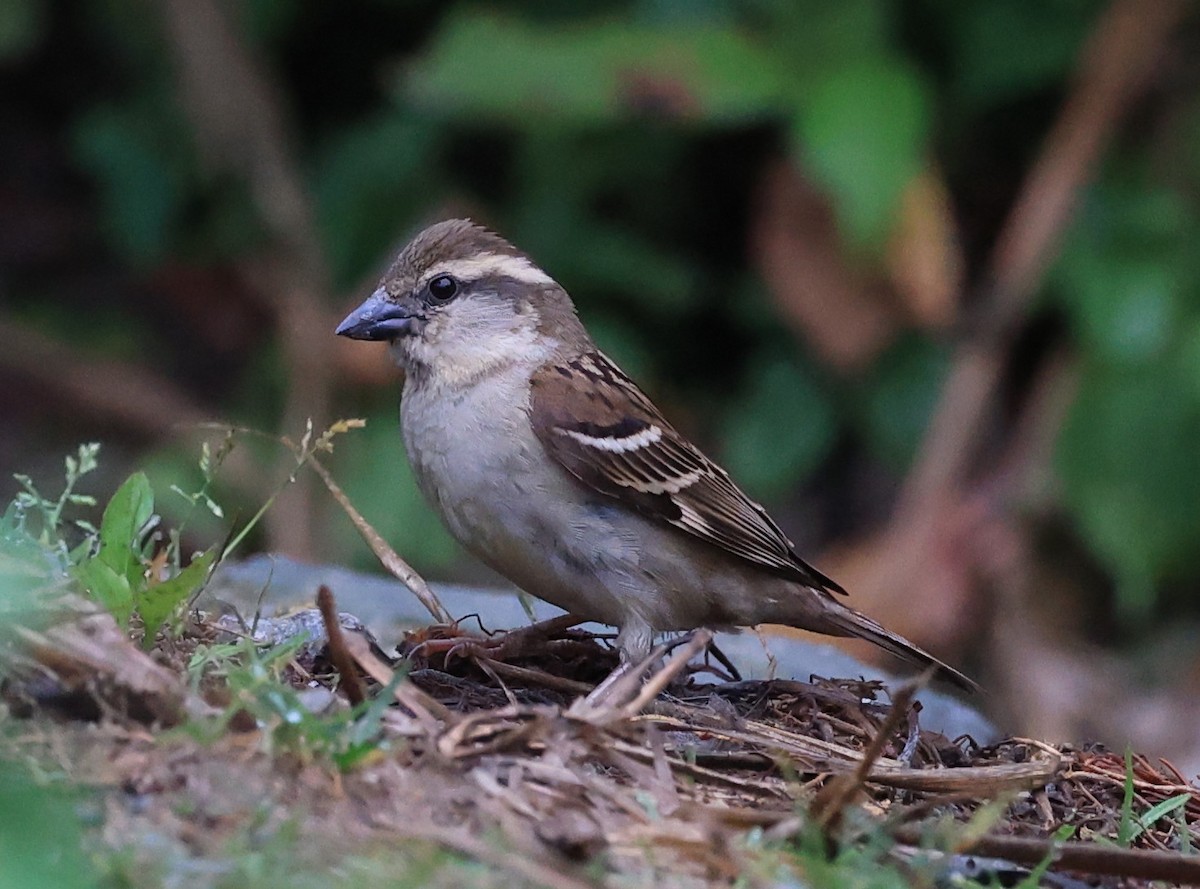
(1125,304)
(900,397)
(1148,818)
(1033,880)
(362,735)
(1189,358)
(813,37)
(106,586)
(26,566)
(157,603)
(862,132)
(1126,825)
(1008,49)
(140,190)
(1129,475)
(481,63)
(41,840)
(1183,831)
(781,428)
(127,513)
(1127,276)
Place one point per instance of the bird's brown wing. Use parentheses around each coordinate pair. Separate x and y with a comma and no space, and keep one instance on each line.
(596,423)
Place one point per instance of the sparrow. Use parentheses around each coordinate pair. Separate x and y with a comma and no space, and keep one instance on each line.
(547,463)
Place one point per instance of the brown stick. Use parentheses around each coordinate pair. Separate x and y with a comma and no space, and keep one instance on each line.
(531,676)
(831,802)
(387,556)
(139,398)
(425,708)
(1087,858)
(660,680)
(136,397)
(338,652)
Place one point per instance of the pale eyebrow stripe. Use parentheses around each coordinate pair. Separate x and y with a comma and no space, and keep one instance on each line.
(489,265)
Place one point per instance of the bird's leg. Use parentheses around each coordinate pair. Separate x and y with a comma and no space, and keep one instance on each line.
(635,643)
(724,661)
(630,688)
(721,658)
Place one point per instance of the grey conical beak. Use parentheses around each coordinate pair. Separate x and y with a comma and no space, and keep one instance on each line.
(379,318)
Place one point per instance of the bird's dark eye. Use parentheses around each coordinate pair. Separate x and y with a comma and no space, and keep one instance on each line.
(443,288)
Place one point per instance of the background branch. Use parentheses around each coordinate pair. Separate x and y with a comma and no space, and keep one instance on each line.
(239,125)
(1113,68)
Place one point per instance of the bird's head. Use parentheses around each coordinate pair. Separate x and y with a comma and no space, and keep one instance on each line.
(460,300)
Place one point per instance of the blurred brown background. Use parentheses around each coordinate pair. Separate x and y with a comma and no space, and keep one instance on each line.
(922,273)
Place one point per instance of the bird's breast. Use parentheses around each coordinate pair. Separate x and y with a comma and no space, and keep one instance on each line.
(479,464)
(473,455)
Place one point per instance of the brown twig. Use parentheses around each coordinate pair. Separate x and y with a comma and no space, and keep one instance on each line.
(981,781)
(387,556)
(137,397)
(1112,69)
(536,677)
(622,694)
(1086,858)
(338,652)
(660,680)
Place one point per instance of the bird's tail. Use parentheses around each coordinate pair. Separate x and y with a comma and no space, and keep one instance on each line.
(848,622)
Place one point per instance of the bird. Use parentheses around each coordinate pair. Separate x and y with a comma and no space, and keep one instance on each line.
(549,464)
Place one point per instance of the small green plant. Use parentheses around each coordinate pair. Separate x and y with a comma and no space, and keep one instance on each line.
(38,545)
(124,564)
(863,860)
(113,563)
(258,687)
(33,517)
(1034,878)
(121,575)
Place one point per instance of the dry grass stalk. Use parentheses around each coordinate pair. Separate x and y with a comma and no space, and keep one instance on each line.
(387,556)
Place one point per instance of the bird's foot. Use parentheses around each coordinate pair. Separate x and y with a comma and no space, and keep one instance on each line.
(497,647)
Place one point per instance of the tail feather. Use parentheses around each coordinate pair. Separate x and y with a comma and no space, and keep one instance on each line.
(847,622)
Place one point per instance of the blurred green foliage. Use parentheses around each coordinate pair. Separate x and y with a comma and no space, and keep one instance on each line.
(621,142)
(41,837)
(1129,455)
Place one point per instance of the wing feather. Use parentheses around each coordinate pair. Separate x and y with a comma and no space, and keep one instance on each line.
(597,424)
